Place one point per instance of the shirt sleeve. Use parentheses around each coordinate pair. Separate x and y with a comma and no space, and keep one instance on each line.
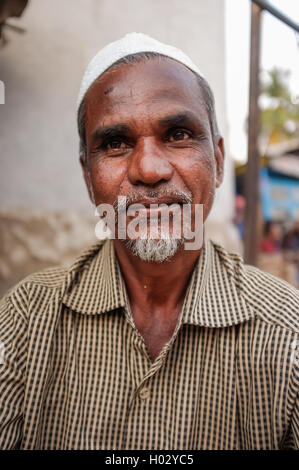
(13,353)
(295,425)
(293,434)
(292,439)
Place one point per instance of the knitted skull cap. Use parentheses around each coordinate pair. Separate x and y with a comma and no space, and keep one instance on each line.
(131,43)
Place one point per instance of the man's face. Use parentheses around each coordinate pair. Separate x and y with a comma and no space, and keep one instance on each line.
(148,136)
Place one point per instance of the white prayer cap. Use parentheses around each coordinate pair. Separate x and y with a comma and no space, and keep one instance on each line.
(131,43)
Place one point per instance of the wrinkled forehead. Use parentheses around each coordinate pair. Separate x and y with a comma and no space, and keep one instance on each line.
(144,83)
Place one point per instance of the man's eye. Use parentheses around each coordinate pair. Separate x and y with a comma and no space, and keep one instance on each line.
(115,144)
(177,135)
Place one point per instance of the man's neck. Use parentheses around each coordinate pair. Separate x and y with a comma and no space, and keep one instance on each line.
(156,289)
(156,292)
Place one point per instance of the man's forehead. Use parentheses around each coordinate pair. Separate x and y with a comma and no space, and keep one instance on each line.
(157,79)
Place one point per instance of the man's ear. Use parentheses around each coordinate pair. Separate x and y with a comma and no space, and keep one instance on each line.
(86,176)
(219,155)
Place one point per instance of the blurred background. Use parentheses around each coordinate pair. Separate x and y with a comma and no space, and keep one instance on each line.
(45,215)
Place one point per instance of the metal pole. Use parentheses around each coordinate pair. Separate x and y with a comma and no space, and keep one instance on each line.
(252,171)
(266,6)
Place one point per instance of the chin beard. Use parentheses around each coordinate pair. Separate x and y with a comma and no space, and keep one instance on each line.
(157,251)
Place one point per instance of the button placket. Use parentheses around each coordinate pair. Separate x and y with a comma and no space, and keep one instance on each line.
(144,393)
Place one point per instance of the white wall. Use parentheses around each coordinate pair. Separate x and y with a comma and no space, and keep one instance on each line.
(42,70)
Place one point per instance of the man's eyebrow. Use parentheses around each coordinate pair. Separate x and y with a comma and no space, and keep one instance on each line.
(104,132)
(179,119)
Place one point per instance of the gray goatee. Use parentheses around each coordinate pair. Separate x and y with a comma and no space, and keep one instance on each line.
(154,250)
(163,247)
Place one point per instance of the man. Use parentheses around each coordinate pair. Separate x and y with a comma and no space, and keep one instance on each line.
(143,344)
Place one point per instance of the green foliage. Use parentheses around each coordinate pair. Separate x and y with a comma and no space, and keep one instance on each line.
(279,112)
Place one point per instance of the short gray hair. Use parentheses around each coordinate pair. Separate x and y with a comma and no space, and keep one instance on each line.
(139,57)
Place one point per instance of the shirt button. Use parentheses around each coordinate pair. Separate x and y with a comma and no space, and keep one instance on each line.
(144,393)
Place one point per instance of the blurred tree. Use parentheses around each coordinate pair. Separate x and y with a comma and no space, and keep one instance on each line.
(279,109)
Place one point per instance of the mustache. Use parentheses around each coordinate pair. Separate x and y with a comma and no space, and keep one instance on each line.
(180,196)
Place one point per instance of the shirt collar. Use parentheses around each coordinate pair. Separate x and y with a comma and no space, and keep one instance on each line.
(95,285)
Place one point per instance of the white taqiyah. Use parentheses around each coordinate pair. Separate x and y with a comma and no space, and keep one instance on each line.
(131,43)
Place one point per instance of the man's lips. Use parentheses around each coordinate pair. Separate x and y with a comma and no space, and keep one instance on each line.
(148,207)
(162,200)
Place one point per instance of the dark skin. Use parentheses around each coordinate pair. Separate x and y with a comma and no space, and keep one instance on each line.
(143,138)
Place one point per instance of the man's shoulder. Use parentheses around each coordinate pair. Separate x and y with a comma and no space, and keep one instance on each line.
(270,298)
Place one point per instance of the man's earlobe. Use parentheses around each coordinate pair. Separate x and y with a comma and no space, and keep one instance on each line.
(219,155)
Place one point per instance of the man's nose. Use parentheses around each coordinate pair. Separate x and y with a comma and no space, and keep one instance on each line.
(148,164)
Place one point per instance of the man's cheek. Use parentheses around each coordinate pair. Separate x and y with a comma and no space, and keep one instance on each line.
(103,189)
(203,184)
